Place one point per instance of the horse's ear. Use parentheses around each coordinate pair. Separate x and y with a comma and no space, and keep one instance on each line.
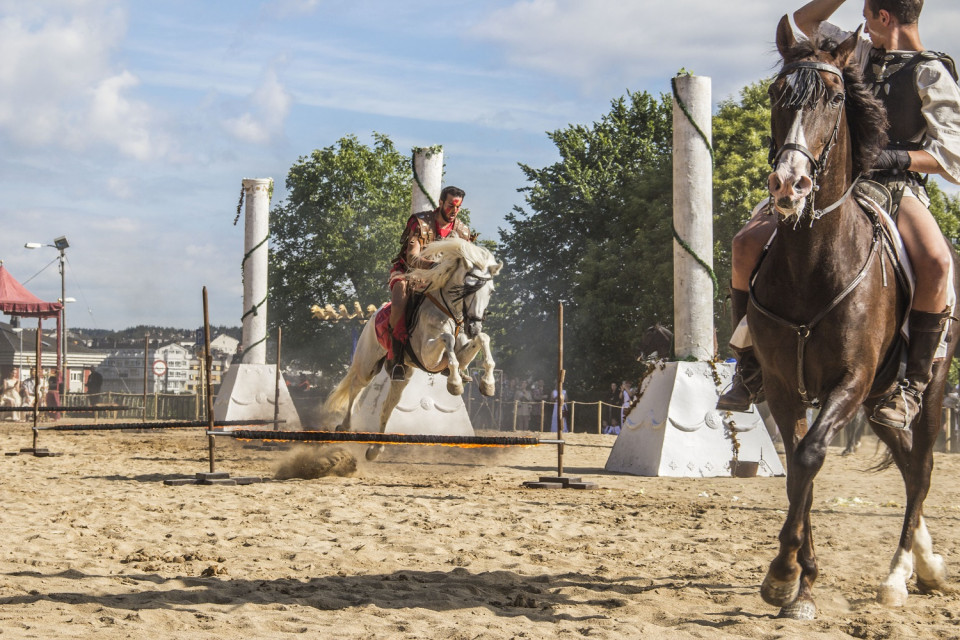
(845,49)
(785,38)
(495,269)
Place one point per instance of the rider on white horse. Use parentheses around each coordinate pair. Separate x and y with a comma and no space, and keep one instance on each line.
(421,229)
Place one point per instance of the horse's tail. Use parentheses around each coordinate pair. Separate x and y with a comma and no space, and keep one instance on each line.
(340,396)
(366,362)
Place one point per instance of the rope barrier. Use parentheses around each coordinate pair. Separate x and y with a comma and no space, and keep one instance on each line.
(66,409)
(706,141)
(377,438)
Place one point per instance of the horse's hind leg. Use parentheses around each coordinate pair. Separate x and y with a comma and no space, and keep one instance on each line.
(389,404)
(913,454)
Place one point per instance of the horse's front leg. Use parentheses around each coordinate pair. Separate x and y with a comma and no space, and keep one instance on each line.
(487,382)
(454,379)
(468,350)
(789,581)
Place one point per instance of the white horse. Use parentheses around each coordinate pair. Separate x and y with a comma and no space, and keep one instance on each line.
(446,334)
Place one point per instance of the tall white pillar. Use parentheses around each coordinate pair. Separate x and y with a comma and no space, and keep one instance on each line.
(675,428)
(255,248)
(693,220)
(249,389)
(428,169)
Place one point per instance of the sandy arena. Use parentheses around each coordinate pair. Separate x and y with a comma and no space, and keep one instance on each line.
(436,542)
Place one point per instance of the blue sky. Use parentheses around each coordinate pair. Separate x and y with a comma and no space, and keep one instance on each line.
(127,126)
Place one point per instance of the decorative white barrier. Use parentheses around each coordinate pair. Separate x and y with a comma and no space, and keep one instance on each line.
(425,408)
(675,429)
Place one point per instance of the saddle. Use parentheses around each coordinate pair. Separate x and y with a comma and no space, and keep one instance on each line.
(880,206)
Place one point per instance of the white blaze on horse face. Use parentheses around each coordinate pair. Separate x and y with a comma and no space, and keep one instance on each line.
(790,183)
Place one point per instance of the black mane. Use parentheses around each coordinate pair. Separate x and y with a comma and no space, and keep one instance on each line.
(866,115)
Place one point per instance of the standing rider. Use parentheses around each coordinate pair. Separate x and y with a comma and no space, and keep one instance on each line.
(422,229)
(920,92)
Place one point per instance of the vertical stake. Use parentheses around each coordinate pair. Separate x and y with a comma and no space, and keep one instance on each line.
(208,365)
(560,376)
(276,389)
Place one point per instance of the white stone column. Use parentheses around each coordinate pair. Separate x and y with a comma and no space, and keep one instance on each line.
(428,166)
(693,220)
(249,389)
(256,230)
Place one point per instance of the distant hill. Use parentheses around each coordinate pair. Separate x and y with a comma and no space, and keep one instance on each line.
(134,336)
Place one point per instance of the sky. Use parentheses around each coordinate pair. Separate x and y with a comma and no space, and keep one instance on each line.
(127,125)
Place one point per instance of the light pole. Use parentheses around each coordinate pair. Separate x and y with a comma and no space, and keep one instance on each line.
(60,244)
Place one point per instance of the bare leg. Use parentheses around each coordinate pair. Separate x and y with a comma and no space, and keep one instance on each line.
(748,245)
(928,253)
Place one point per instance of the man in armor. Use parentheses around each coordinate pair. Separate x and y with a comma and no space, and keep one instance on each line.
(920,92)
(421,229)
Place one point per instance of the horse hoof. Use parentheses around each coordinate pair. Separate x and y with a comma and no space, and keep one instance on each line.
(374,451)
(892,595)
(454,389)
(778,593)
(799,609)
(487,389)
(932,576)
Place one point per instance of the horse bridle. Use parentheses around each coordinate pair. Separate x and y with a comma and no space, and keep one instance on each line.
(819,163)
(463,316)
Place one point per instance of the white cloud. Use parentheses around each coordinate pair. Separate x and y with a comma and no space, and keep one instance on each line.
(270,104)
(59,84)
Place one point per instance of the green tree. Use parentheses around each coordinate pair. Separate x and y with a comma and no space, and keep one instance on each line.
(597,234)
(332,241)
(588,219)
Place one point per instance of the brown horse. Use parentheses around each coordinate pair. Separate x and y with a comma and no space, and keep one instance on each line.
(825,311)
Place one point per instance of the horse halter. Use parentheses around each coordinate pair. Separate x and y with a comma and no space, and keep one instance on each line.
(819,163)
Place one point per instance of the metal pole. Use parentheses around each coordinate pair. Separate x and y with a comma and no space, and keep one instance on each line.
(63,327)
(276,389)
(600,417)
(146,356)
(208,363)
(516,405)
(560,376)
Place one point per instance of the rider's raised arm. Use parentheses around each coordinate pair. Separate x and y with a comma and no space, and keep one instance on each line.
(809,16)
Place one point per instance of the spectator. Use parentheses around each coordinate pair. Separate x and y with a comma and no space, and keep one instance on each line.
(626,397)
(10,396)
(615,400)
(28,389)
(94,383)
(53,397)
(524,408)
(563,406)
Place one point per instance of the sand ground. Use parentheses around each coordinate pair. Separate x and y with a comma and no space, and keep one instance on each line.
(435,542)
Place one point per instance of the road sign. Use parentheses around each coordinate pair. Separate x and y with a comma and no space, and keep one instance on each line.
(159,367)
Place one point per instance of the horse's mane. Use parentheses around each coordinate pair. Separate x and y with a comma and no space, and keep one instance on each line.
(866,116)
(446,253)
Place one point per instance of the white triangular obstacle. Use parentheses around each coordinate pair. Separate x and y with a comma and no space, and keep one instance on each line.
(425,407)
(676,431)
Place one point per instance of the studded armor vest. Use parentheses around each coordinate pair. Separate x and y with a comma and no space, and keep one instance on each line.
(891,75)
(426,232)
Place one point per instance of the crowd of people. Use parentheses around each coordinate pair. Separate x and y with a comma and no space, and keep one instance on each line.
(23,393)
(526,396)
